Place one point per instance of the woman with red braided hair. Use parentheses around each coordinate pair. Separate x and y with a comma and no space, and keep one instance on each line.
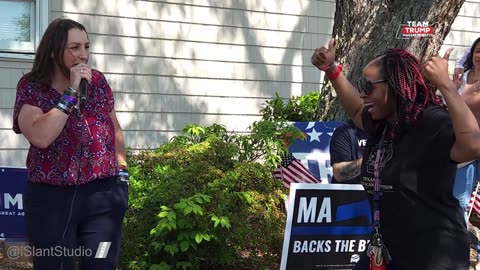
(410,159)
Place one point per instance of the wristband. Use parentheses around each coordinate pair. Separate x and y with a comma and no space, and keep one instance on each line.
(62,108)
(70,99)
(327,68)
(72,92)
(334,74)
(122,163)
(123,176)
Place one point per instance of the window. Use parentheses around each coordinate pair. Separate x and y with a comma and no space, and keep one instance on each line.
(22,24)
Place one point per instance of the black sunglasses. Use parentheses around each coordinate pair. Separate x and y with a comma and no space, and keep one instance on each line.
(366,86)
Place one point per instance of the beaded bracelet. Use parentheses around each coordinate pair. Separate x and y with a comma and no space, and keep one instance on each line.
(61,107)
(72,92)
(124,163)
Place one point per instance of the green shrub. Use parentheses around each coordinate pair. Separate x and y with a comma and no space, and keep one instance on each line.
(207,199)
(204,201)
(300,108)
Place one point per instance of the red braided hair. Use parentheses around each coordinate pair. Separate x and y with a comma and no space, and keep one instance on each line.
(412,94)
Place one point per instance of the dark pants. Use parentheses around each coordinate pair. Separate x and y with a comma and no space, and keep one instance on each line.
(79,221)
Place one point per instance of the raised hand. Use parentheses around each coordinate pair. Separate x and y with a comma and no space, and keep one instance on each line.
(435,69)
(458,76)
(324,58)
(79,72)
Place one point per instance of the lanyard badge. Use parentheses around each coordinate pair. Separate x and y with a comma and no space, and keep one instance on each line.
(377,251)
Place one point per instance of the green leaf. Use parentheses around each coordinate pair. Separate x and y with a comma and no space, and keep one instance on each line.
(180,205)
(198,238)
(198,210)
(165,208)
(206,237)
(206,198)
(172,249)
(184,246)
(163,214)
(172,216)
(225,222)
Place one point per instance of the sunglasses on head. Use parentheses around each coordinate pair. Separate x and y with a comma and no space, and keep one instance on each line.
(366,86)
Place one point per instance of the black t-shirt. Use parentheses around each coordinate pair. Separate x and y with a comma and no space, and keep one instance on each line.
(421,222)
(347,144)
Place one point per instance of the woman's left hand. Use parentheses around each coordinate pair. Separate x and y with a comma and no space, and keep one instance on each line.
(435,69)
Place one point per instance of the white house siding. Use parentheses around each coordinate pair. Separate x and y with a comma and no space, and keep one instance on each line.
(465,30)
(12,147)
(171,63)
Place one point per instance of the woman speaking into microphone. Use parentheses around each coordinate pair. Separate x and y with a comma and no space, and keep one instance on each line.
(77,186)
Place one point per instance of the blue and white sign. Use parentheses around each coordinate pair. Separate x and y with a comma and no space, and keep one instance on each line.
(314,152)
(12,185)
(328,226)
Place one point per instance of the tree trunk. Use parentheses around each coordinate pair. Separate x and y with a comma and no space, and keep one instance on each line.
(364,29)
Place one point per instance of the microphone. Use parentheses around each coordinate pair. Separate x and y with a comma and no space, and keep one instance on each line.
(83,91)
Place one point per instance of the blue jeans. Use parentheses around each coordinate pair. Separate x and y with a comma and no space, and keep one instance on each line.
(465,181)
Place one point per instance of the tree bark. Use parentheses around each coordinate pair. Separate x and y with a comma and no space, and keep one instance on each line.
(364,29)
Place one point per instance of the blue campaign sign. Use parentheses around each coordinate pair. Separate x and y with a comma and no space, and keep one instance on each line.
(313,152)
(328,226)
(12,185)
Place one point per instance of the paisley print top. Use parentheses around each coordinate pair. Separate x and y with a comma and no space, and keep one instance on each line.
(85,149)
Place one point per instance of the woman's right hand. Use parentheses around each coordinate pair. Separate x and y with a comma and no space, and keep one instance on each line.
(324,58)
(79,72)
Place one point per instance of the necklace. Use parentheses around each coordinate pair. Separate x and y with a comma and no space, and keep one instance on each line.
(475,80)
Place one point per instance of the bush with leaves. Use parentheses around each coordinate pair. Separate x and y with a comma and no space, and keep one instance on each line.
(300,108)
(207,200)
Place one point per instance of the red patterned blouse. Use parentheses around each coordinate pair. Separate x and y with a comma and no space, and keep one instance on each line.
(85,149)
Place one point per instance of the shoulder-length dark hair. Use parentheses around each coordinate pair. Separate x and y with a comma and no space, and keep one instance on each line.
(469,62)
(50,51)
(411,93)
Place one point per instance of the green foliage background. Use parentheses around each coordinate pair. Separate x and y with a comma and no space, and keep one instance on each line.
(207,198)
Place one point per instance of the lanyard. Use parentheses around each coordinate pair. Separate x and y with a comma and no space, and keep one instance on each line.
(376,188)
(379,255)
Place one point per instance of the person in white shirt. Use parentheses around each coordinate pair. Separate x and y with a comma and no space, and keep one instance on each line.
(459,68)
(467,78)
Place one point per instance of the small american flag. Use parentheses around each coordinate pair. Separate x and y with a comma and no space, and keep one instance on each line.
(474,203)
(291,170)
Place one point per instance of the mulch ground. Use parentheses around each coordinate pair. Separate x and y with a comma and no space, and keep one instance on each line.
(6,263)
